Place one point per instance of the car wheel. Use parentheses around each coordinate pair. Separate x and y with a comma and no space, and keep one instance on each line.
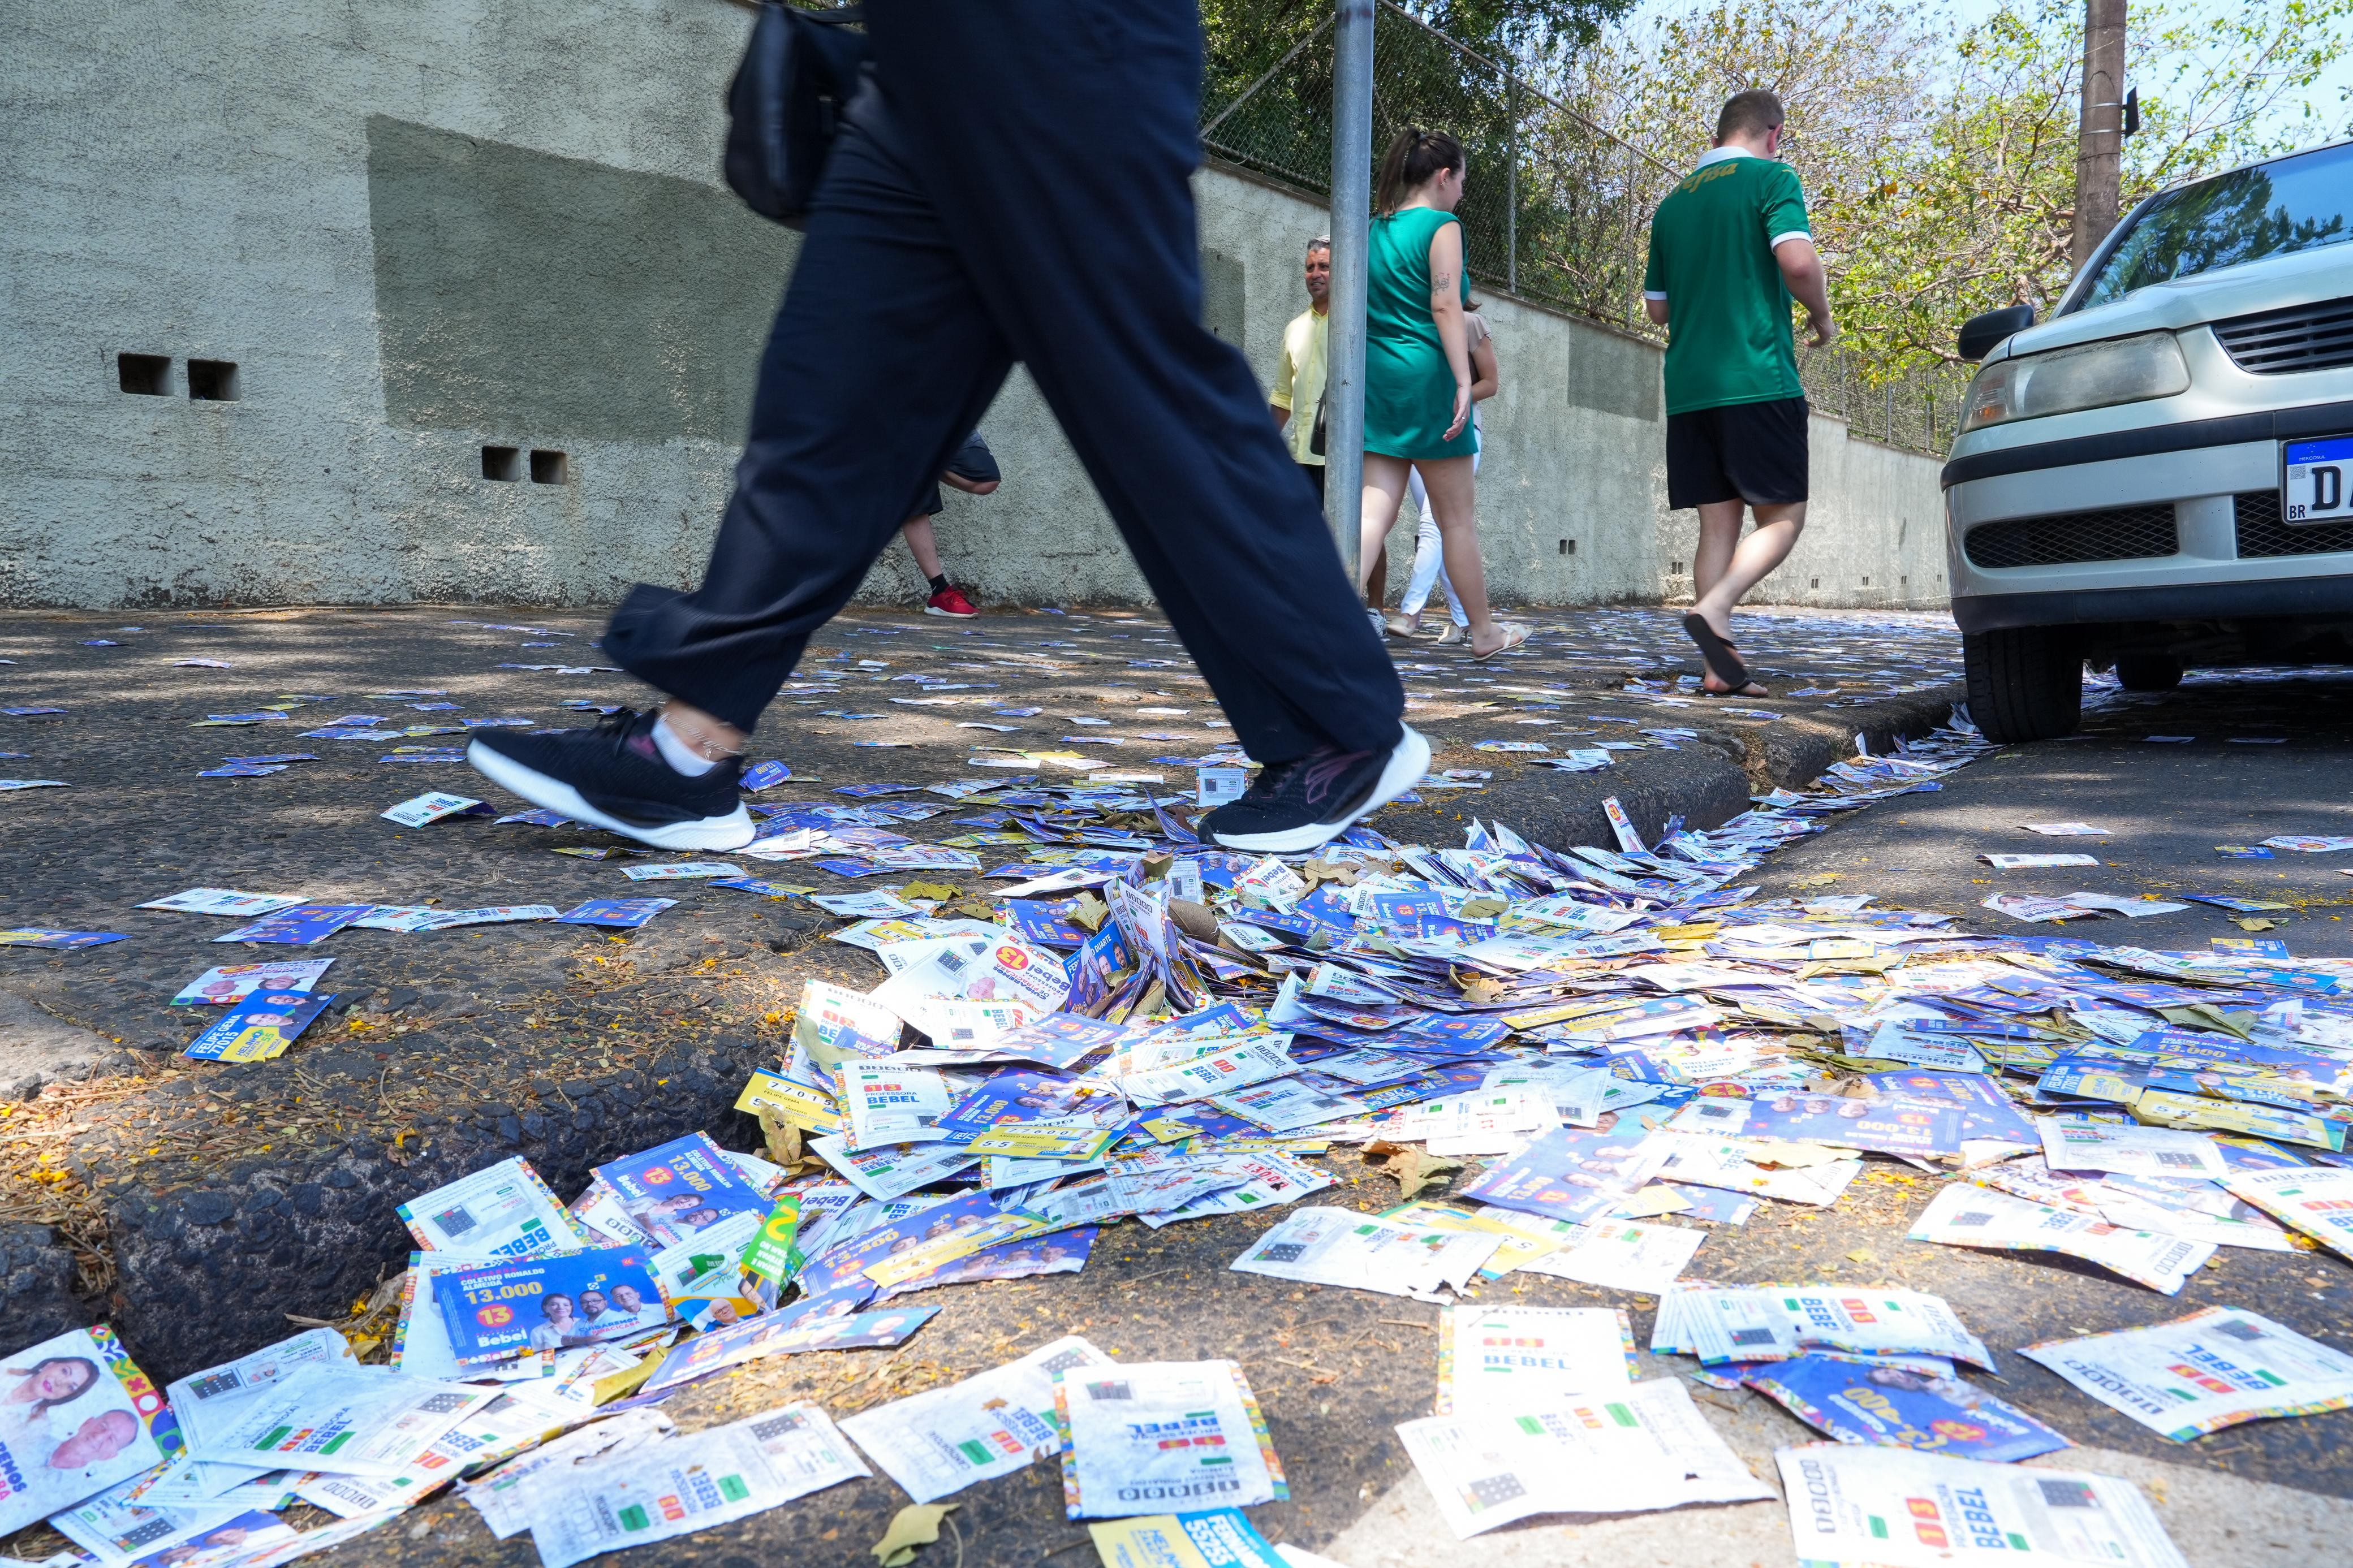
(2148,672)
(2025,683)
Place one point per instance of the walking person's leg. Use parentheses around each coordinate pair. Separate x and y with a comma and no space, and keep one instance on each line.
(1058,146)
(1386,483)
(1428,562)
(1723,461)
(880,360)
(923,545)
(1454,496)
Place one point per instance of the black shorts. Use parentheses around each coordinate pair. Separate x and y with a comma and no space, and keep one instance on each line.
(1754,452)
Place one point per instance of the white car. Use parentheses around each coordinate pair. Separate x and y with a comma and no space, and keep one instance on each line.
(2158,476)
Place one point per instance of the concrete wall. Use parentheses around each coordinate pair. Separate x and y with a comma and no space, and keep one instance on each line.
(425,228)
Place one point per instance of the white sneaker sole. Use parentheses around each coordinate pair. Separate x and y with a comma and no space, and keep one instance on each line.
(1407,765)
(951,614)
(732,832)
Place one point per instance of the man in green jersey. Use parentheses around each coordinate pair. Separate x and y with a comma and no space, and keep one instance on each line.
(1729,252)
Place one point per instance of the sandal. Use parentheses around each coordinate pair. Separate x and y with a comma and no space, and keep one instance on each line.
(1447,632)
(1513,636)
(1400,626)
(1723,659)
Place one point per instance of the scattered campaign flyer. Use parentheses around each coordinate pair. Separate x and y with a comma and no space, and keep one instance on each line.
(501,1310)
(344,1419)
(1903,1407)
(1774,1323)
(1887,1126)
(1220,1538)
(258,1028)
(299,925)
(1616,1450)
(500,1210)
(223,901)
(1571,1174)
(205,1403)
(777,1333)
(1143,1437)
(1525,1358)
(892,1170)
(77,1417)
(664,1489)
(235,982)
(1327,1246)
(2072,1144)
(890,1101)
(1969,1216)
(622,914)
(430,808)
(939,1442)
(1623,1255)
(1895,1508)
(2201,1373)
(681,871)
(40,936)
(2316,1200)
(674,1190)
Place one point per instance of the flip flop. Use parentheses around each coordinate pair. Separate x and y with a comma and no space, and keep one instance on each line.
(1447,632)
(1513,636)
(1723,658)
(1753,688)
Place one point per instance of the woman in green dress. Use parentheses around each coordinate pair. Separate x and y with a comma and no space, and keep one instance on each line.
(1418,368)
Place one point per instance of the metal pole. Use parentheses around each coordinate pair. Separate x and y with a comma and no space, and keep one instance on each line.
(1512,182)
(1352,203)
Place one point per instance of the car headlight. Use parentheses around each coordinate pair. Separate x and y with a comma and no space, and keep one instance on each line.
(2064,381)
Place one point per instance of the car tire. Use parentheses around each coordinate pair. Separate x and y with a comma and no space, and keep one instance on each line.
(2026,683)
(2148,672)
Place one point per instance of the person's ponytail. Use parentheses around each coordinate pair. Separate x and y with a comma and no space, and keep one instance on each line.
(1413,157)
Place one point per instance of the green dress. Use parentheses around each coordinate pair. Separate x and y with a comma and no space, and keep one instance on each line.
(1408,387)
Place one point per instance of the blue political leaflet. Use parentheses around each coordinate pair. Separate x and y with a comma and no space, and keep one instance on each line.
(762,775)
(301,925)
(235,982)
(1222,1538)
(784,1334)
(1020,1095)
(1900,1407)
(502,1310)
(35,936)
(625,913)
(260,1028)
(844,1269)
(1570,1174)
(1986,1111)
(1060,1039)
(672,1191)
(1042,922)
(1057,1252)
(1885,1126)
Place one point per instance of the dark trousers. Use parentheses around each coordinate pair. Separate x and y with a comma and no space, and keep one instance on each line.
(1023,198)
(1314,472)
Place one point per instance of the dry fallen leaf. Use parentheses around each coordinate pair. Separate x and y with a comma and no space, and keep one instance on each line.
(1194,920)
(1415,1170)
(917,1524)
(1819,879)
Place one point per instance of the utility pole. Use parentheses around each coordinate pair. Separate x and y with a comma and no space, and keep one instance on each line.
(1352,224)
(2100,137)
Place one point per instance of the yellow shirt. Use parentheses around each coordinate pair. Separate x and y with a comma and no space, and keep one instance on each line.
(1299,380)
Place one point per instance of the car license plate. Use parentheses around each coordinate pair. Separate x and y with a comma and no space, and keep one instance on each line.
(2314,487)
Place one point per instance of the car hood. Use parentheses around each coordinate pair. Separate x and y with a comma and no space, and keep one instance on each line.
(2269,284)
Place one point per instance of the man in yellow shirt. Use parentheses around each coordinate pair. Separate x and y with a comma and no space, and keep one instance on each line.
(1299,375)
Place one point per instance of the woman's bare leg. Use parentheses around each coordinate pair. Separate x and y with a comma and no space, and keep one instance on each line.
(1454,497)
(1385,486)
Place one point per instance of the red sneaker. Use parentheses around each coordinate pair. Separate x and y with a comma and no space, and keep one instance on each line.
(950,601)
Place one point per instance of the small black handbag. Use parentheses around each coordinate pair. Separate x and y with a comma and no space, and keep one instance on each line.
(785,104)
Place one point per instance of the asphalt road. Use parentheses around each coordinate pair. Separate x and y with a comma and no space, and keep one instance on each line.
(1335,1369)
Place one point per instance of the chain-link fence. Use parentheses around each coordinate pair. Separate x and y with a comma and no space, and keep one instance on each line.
(1555,211)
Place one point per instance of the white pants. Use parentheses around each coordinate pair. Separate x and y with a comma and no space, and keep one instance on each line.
(1430,557)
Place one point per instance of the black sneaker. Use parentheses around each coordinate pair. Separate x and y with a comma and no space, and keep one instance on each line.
(1302,805)
(614,777)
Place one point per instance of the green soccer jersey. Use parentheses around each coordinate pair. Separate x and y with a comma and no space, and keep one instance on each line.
(1729,338)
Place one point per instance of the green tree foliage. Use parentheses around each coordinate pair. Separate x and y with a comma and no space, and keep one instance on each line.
(1941,169)
(1246,38)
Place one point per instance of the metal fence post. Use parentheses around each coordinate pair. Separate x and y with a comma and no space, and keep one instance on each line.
(1512,182)
(1352,203)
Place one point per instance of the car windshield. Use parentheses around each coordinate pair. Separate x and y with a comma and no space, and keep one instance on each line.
(2298,202)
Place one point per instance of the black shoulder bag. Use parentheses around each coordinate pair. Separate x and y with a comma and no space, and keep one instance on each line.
(784,107)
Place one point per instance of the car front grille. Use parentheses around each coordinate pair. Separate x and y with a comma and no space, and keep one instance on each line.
(2261,532)
(2301,337)
(2121,533)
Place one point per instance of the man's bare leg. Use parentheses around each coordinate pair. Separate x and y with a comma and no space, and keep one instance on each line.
(1725,566)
